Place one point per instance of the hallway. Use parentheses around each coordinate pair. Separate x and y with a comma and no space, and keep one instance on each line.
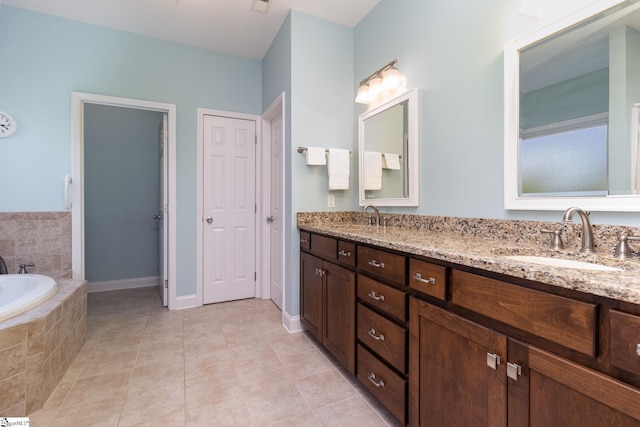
(225,364)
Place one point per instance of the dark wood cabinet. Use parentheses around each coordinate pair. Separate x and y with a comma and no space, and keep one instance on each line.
(327,305)
(457,370)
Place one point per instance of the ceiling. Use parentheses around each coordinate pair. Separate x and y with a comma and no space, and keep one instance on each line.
(229,26)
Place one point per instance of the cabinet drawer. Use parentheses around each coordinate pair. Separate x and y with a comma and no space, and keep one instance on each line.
(347,252)
(428,278)
(388,387)
(382,263)
(383,337)
(324,246)
(624,345)
(305,240)
(384,297)
(562,320)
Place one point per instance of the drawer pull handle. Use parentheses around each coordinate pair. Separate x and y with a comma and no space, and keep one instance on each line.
(638,349)
(304,240)
(373,263)
(419,278)
(372,334)
(493,360)
(375,296)
(372,378)
(343,253)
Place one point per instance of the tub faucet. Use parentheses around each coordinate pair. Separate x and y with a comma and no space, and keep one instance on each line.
(3,267)
(23,268)
(375,210)
(587,231)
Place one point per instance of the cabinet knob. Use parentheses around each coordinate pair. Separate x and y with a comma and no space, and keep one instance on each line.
(513,371)
(373,379)
(419,278)
(343,253)
(638,349)
(493,360)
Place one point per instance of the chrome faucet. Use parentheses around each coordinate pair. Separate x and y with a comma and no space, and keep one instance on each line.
(376,211)
(587,231)
(23,268)
(3,267)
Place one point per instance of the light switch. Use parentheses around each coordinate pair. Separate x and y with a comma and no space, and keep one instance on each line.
(331,201)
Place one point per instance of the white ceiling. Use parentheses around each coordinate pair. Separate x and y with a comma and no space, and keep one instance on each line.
(228,26)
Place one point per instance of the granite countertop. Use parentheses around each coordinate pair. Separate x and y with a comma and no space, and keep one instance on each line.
(487,253)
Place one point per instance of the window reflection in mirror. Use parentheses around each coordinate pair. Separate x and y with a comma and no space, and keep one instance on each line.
(577,91)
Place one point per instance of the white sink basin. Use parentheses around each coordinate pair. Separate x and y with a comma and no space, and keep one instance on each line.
(564,263)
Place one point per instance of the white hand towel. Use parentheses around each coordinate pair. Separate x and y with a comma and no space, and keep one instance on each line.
(338,169)
(391,161)
(372,170)
(316,156)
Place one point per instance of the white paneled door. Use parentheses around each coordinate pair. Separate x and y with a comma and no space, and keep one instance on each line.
(277,215)
(229,202)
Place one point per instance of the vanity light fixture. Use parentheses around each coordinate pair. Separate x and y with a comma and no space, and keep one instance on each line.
(386,78)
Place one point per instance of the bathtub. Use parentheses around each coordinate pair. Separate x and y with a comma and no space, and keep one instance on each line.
(20,292)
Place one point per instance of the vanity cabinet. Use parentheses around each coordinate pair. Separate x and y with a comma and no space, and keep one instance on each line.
(463,372)
(327,300)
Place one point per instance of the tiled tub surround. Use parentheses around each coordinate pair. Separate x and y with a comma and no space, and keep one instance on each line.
(37,347)
(42,238)
(483,244)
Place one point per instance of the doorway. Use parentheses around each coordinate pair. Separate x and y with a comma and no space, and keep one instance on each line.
(164,213)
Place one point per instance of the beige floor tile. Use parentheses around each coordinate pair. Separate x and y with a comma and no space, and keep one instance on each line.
(354,412)
(305,420)
(95,414)
(109,363)
(305,364)
(208,365)
(149,354)
(290,344)
(144,403)
(150,375)
(204,391)
(174,419)
(262,376)
(94,389)
(324,389)
(277,403)
(111,344)
(42,417)
(230,412)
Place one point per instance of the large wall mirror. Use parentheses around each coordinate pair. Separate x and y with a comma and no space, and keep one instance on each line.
(388,152)
(572,107)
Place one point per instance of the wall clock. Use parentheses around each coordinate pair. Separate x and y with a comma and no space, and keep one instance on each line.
(7,125)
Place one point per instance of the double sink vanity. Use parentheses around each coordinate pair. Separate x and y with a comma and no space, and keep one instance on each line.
(446,323)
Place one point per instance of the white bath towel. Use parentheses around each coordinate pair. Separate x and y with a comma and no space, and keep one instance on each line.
(316,156)
(338,169)
(372,170)
(391,161)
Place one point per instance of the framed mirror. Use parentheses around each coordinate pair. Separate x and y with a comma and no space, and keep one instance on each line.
(572,108)
(388,152)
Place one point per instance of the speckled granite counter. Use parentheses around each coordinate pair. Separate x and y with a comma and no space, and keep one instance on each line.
(484,243)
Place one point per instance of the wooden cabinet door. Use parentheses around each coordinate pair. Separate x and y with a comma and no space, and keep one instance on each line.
(311,295)
(564,393)
(339,326)
(451,383)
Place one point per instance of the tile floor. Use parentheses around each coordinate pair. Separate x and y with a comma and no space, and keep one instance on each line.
(229,364)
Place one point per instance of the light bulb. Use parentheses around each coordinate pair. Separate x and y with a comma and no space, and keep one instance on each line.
(363,94)
(375,86)
(391,78)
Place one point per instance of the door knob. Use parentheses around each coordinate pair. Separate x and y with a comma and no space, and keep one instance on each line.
(209,219)
(270,218)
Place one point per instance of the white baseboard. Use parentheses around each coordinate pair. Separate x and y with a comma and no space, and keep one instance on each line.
(116,285)
(186,301)
(292,323)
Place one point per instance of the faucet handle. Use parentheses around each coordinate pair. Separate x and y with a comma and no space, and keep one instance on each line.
(556,241)
(23,268)
(622,249)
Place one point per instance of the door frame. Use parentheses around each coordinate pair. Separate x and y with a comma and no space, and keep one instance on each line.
(276,108)
(78,100)
(259,291)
